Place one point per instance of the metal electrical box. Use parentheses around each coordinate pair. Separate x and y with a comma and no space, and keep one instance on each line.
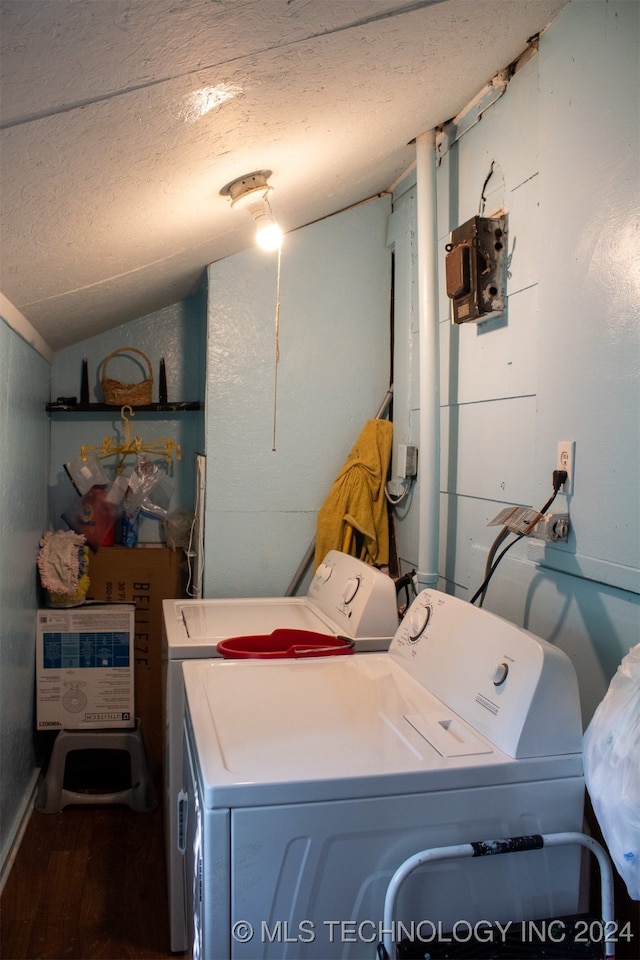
(476,269)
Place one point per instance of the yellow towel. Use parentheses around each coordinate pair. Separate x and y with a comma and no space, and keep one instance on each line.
(353,518)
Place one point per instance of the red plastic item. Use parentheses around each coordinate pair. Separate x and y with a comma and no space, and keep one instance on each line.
(284,643)
(93,516)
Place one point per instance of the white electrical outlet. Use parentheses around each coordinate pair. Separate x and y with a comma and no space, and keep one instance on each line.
(565,461)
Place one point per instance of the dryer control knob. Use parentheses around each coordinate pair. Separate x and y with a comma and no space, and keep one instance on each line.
(499,675)
(351,588)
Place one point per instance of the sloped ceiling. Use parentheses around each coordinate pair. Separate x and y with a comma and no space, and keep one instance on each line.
(123,119)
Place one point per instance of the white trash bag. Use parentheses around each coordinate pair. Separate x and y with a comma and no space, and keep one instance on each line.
(611,749)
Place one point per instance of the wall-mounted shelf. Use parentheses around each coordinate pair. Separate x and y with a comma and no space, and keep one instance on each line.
(179,406)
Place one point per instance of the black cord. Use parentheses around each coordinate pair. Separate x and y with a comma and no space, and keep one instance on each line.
(482,589)
(504,533)
(559,477)
(483,199)
(405,583)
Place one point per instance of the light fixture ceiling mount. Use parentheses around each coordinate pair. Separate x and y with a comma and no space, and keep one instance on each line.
(251,193)
(248,189)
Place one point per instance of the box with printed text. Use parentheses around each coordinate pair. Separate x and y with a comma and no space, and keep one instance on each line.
(84,667)
(144,575)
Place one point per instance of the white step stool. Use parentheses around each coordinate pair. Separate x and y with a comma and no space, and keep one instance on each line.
(140,796)
(606,928)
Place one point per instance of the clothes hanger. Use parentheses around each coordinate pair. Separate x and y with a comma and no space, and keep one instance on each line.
(165,447)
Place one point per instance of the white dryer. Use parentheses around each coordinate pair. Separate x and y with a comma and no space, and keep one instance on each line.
(308,783)
(346,597)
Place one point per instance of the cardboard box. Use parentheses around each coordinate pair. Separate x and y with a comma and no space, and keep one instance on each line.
(84,667)
(144,575)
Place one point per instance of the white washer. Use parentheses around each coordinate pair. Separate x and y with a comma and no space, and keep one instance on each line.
(308,783)
(346,597)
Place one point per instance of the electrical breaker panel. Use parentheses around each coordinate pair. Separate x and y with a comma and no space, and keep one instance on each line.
(476,269)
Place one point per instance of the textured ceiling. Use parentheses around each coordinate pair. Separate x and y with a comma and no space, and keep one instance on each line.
(123,119)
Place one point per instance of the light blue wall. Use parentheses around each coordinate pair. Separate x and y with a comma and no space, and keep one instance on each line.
(177,333)
(333,373)
(565,363)
(33,448)
(24,454)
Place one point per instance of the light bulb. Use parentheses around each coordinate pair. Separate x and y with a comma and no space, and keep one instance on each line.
(269,235)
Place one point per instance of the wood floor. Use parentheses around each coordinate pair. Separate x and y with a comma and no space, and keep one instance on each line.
(88,883)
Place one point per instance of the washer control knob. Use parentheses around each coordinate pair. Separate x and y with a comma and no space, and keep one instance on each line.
(351,588)
(499,675)
(418,622)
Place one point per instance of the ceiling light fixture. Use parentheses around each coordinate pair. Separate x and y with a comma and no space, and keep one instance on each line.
(251,193)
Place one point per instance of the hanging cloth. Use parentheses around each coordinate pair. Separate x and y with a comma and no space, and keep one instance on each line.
(59,561)
(353,518)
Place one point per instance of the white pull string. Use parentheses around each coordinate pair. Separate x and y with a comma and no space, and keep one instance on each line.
(276,352)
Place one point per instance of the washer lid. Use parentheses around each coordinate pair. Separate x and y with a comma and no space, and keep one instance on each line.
(215,620)
(290,731)
(346,597)
(194,627)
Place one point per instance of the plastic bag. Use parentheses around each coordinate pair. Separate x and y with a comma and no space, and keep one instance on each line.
(158,507)
(178,528)
(142,480)
(87,472)
(611,749)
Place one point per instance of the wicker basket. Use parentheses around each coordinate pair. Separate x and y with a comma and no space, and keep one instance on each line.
(117,393)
